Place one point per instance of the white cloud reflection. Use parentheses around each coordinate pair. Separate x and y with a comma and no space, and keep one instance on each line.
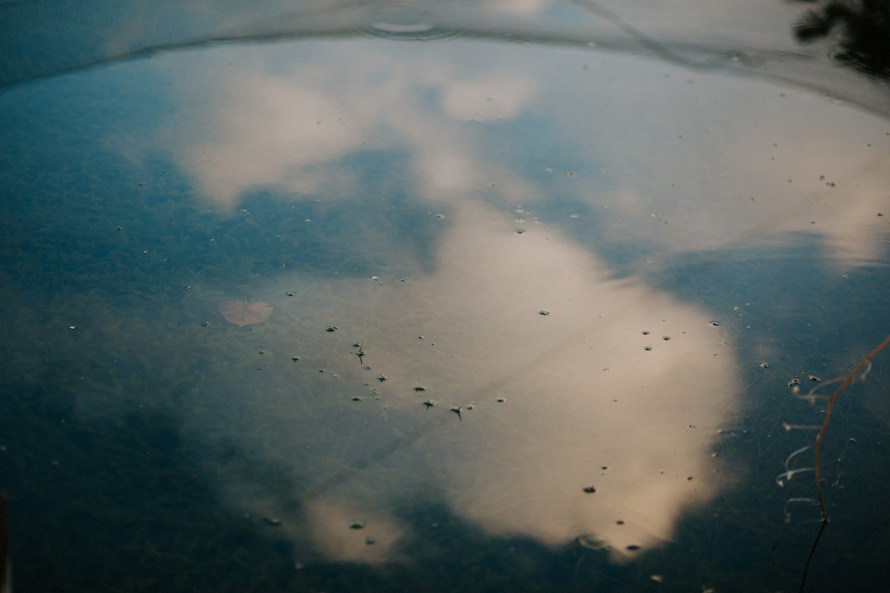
(586,404)
(715,159)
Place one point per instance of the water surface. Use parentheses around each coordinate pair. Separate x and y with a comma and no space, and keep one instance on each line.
(381,296)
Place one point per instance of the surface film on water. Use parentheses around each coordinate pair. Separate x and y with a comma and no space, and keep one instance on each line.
(527,296)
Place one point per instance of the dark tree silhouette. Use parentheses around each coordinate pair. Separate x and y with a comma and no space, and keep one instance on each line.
(863,27)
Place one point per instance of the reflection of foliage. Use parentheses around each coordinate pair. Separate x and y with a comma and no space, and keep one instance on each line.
(864,31)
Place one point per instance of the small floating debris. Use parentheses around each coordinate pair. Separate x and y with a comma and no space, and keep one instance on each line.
(419,388)
(370,541)
(356,524)
(381,378)
(272,520)
(243,313)
(72,327)
(794,382)
(715,323)
(589,489)
(666,338)
(633,547)
(813,378)
(544,312)
(331,328)
(290,293)
(295,358)
(205,324)
(764,365)
(647,348)
(500,400)
(356,398)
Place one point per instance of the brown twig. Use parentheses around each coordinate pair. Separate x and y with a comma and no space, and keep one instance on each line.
(848,380)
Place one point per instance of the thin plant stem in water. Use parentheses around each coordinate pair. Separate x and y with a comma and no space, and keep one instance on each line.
(863,367)
(859,373)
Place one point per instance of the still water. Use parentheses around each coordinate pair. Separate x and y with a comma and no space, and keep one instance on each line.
(385,296)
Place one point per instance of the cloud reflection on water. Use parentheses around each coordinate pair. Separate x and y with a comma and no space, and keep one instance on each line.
(582,391)
(712,160)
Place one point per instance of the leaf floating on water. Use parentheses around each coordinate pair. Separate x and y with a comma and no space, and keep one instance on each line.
(243,313)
